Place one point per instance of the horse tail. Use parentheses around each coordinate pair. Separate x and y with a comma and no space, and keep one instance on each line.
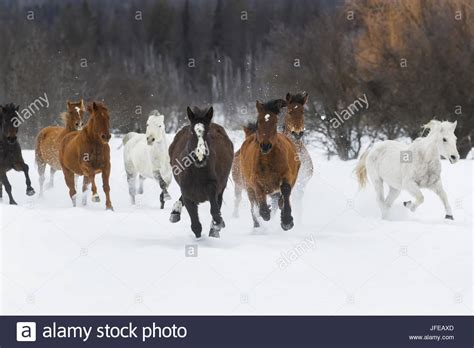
(361,169)
(38,158)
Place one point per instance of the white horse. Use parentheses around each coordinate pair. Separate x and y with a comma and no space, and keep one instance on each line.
(410,167)
(146,155)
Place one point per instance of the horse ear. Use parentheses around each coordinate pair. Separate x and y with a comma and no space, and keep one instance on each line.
(94,106)
(17,108)
(68,103)
(190,113)
(209,114)
(454,124)
(282,103)
(90,108)
(305,97)
(288,97)
(82,103)
(259,107)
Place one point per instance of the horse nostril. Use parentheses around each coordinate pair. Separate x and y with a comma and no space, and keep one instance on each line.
(453,157)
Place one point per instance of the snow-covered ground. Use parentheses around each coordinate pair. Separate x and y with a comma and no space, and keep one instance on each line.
(340,258)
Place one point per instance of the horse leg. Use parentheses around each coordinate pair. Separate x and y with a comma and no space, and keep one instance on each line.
(71,184)
(275,199)
(238,199)
(1,190)
(22,166)
(192,209)
(439,190)
(415,191)
(175,215)
(85,188)
(50,184)
(95,195)
(164,196)
(253,207)
(263,207)
(286,218)
(217,222)
(141,179)
(379,195)
(41,169)
(393,194)
(131,180)
(106,187)
(8,187)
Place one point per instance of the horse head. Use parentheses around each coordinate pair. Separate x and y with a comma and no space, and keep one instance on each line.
(155,128)
(200,122)
(99,121)
(75,114)
(267,121)
(10,122)
(294,118)
(443,133)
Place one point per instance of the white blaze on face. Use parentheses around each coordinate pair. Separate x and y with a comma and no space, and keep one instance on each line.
(267,117)
(78,110)
(201,145)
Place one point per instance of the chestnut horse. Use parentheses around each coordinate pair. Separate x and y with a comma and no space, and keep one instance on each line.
(294,128)
(49,139)
(237,173)
(201,158)
(87,152)
(269,164)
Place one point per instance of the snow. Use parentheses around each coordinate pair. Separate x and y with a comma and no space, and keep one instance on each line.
(63,260)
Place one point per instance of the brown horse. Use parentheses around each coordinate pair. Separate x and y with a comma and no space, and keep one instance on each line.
(201,158)
(269,164)
(237,173)
(49,139)
(87,152)
(294,128)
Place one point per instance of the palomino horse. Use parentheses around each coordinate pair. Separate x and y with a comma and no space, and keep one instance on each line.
(49,139)
(293,128)
(146,155)
(10,150)
(269,164)
(201,157)
(87,152)
(410,167)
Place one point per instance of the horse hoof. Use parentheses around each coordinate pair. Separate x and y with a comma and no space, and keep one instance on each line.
(30,192)
(287,226)
(140,191)
(214,233)
(449,217)
(109,208)
(95,198)
(166,196)
(407,203)
(175,217)
(13,203)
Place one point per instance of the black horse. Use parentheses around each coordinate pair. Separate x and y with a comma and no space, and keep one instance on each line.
(10,150)
(201,158)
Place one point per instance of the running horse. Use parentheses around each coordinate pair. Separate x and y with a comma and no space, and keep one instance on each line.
(87,152)
(49,139)
(269,165)
(10,151)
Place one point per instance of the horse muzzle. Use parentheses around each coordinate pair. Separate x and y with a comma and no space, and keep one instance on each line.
(453,159)
(296,135)
(265,148)
(11,140)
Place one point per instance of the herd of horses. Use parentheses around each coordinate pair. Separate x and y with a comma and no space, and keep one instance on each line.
(270,165)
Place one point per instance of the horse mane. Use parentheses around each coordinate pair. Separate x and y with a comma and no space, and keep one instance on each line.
(9,108)
(297,98)
(274,106)
(251,127)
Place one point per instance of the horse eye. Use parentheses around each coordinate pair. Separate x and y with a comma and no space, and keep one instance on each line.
(445,140)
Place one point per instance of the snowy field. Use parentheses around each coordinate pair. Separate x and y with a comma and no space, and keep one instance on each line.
(340,258)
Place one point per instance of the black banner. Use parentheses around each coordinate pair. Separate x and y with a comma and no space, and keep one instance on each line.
(236,331)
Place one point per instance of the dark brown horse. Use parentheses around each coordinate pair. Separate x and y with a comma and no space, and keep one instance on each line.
(87,152)
(201,158)
(294,129)
(10,150)
(49,139)
(269,164)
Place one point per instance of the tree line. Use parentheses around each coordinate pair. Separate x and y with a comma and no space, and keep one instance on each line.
(410,58)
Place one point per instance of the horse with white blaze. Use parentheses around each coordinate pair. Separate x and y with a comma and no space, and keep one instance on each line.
(410,167)
(146,155)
